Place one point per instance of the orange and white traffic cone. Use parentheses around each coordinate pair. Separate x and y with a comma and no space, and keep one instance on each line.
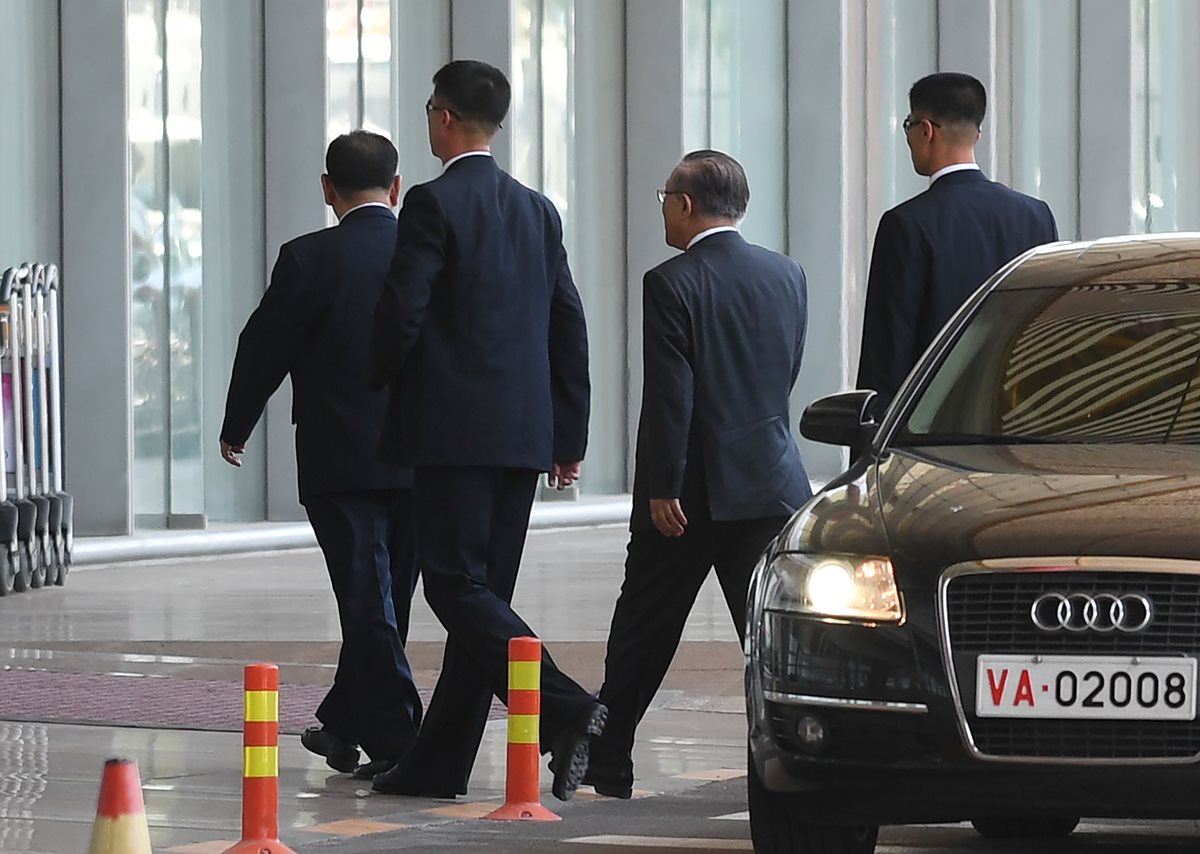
(120,826)
(522,800)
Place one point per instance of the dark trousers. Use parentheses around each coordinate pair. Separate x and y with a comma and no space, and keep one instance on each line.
(366,538)
(663,575)
(471,525)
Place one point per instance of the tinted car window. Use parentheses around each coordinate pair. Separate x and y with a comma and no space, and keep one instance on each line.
(1114,362)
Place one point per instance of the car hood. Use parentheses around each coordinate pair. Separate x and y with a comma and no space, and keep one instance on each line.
(941,506)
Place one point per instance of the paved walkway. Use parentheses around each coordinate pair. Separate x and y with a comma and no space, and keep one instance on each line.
(144,661)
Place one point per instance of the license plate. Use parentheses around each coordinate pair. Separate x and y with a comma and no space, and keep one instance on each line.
(1090,687)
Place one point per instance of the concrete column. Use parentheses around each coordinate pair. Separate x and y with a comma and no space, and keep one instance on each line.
(967,42)
(598,216)
(822,178)
(1106,120)
(96,266)
(482,29)
(294,84)
(654,139)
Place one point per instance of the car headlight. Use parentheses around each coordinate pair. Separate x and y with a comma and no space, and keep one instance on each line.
(839,586)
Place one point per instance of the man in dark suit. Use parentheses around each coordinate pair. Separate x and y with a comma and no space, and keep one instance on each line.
(717,470)
(480,333)
(313,323)
(933,251)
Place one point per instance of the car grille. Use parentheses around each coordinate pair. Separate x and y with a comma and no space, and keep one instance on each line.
(988,613)
(1087,739)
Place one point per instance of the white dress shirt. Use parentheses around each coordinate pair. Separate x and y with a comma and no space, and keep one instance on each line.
(465,154)
(709,232)
(955,167)
(366,205)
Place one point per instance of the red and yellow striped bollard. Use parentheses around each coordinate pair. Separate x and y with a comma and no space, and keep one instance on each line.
(260,764)
(522,798)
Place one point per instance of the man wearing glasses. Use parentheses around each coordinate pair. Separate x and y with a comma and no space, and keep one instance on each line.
(480,334)
(717,471)
(934,250)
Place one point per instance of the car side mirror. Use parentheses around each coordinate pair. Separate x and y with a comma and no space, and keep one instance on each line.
(846,418)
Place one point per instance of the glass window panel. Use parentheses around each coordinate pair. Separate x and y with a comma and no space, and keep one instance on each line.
(149,317)
(569,147)
(379,103)
(697,63)
(558,110)
(526,111)
(735,97)
(182,233)
(1126,372)
(341,54)
(1167,32)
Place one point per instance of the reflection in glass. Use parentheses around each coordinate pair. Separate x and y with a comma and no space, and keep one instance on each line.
(341,54)
(1113,361)
(166,258)
(735,100)
(148,252)
(526,112)
(1166,123)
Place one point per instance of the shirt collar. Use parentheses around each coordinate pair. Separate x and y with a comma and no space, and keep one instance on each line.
(388,208)
(956,167)
(465,154)
(709,232)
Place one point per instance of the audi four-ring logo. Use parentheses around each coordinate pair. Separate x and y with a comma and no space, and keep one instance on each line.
(1097,612)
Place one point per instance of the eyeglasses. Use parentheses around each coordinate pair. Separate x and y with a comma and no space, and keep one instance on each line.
(431,107)
(662,194)
(909,123)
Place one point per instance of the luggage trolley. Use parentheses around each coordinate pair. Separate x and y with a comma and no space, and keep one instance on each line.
(62,505)
(39,543)
(19,551)
(8,510)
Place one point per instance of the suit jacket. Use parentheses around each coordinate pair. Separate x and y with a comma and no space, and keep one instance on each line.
(931,253)
(724,327)
(313,323)
(480,330)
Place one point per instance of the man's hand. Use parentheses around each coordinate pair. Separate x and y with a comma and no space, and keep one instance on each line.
(232,453)
(668,517)
(563,475)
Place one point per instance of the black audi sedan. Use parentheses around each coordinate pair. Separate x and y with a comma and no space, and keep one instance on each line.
(994,615)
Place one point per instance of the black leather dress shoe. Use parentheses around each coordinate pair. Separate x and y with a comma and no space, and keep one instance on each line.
(571,752)
(397,781)
(611,785)
(372,769)
(609,777)
(339,755)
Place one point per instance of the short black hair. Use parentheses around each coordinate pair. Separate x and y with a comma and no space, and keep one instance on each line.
(361,160)
(478,92)
(716,182)
(949,97)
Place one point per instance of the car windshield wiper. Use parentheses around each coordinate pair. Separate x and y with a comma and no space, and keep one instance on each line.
(912,440)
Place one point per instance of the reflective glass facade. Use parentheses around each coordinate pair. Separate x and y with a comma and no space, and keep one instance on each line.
(225,107)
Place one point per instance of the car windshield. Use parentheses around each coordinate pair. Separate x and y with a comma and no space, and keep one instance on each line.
(1091,363)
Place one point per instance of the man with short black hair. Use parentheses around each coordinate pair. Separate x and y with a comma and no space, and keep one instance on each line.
(311,324)
(933,251)
(481,336)
(717,470)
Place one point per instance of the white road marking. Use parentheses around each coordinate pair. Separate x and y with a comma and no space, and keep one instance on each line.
(666,842)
